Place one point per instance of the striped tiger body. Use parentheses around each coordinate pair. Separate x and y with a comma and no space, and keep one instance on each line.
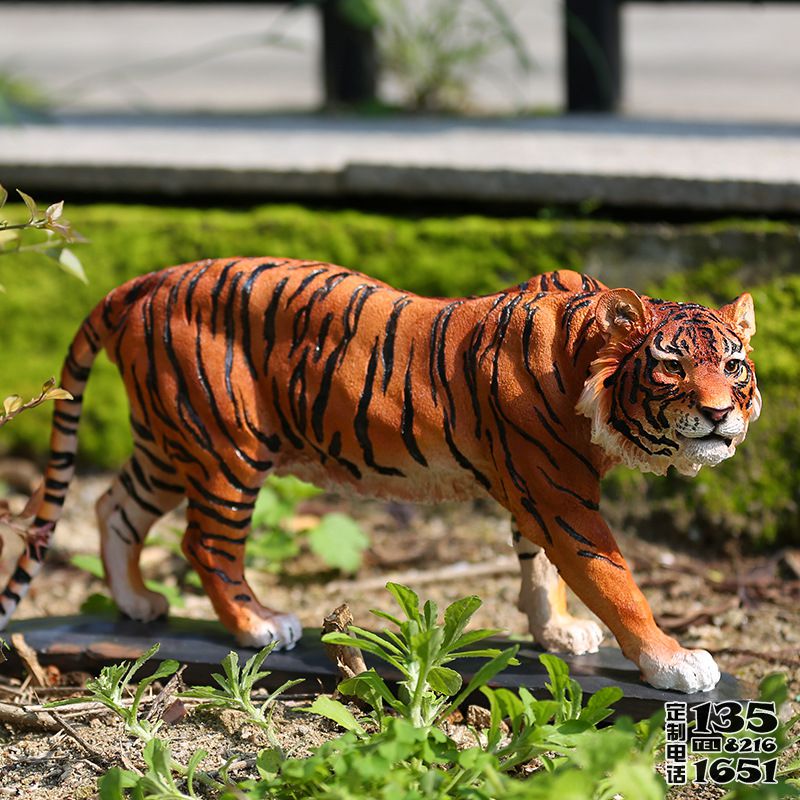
(235,369)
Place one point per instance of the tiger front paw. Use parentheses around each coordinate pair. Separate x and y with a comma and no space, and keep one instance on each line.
(142,607)
(285,629)
(681,670)
(570,635)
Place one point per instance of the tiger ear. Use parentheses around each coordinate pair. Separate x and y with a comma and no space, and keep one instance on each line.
(741,315)
(620,312)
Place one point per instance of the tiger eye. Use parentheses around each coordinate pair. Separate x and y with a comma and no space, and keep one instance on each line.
(734,366)
(672,366)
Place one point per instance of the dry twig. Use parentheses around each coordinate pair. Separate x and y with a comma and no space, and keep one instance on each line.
(348,660)
(30,660)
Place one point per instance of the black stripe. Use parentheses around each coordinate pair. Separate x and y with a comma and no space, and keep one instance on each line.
(219,537)
(219,419)
(573,533)
(299,290)
(215,293)
(272,441)
(187,300)
(288,433)
(528,505)
(592,506)
(387,353)
(244,314)
(173,488)
(217,551)
(230,340)
(335,449)
(233,505)
(589,554)
(361,421)
(238,524)
(138,474)
(407,417)
(64,429)
(128,524)
(322,336)
(21,576)
(213,570)
(461,459)
(580,456)
(557,374)
(269,322)
(13,596)
(557,282)
(127,484)
(298,400)
(157,462)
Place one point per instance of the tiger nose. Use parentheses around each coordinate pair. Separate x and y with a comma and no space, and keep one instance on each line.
(715,414)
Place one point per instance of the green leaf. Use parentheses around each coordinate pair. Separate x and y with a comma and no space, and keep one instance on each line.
(369,686)
(113,784)
(361,13)
(336,711)
(3,195)
(9,240)
(470,637)
(444,680)
(270,509)
(191,769)
(99,604)
(362,644)
(268,763)
(71,264)
(599,704)
(482,677)
(773,688)
(456,617)
(33,209)
(385,615)
(339,541)
(12,404)
(407,599)
(90,563)
(271,547)
(292,489)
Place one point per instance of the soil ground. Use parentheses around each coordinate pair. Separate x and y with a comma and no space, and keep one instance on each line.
(744,610)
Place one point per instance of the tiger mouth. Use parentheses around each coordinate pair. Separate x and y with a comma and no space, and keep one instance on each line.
(710,437)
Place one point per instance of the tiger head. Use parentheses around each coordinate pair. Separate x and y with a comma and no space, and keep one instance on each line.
(672,384)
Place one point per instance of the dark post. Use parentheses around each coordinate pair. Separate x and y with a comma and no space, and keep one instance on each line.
(349,60)
(592,31)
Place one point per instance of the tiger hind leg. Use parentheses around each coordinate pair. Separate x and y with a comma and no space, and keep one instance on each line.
(543,599)
(218,520)
(140,495)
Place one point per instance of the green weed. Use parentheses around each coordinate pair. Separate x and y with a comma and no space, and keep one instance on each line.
(112,689)
(235,686)
(420,650)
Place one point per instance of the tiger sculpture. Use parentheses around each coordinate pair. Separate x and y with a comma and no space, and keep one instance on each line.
(235,369)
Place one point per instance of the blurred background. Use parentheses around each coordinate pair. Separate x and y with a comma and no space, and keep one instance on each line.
(448,147)
(687,60)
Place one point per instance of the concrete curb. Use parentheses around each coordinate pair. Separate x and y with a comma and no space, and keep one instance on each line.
(490,186)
